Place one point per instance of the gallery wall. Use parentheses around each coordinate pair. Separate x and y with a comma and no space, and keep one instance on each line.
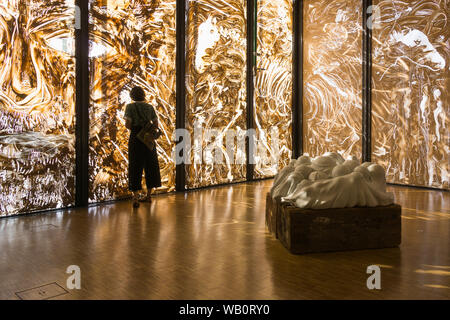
(216,89)
(332,73)
(133,42)
(37,106)
(409,95)
(273,85)
(410,101)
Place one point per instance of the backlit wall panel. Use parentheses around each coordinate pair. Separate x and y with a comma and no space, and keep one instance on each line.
(332,77)
(410,91)
(37,105)
(216,90)
(132,43)
(273,86)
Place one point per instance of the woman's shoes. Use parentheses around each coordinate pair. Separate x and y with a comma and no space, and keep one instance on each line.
(137,199)
(136,202)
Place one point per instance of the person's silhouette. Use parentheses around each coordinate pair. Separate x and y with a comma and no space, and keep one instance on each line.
(141,158)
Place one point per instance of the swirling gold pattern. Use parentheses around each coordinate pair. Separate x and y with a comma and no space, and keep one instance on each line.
(411,104)
(273,86)
(37,105)
(216,85)
(132,43)
(332,77)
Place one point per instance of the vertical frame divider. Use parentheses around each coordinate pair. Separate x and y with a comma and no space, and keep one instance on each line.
(251,52)
(297,97)
(181,24)
(82,103)
(367,83)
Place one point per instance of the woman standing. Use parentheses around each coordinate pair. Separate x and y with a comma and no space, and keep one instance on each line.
(141,158)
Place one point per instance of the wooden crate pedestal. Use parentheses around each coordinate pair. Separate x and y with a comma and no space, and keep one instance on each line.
(272,214)
(312,231)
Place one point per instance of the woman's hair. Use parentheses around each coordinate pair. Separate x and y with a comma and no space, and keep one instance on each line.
(137,94)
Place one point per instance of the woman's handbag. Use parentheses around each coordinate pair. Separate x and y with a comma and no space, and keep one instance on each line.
(149,133)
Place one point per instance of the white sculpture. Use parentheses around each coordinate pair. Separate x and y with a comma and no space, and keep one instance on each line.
(279,187)
(330,181)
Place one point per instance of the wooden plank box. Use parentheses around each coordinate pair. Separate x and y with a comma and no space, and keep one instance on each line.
(272,214)
(312,231)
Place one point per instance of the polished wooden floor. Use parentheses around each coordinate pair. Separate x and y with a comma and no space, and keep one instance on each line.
(213,244)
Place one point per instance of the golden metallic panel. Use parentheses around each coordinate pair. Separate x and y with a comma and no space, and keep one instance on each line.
(132,43)
(216,86)
(411,104)
(37,105)
(273,86)
(332,77)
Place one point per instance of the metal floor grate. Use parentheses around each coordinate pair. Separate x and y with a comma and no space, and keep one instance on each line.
(44,292)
